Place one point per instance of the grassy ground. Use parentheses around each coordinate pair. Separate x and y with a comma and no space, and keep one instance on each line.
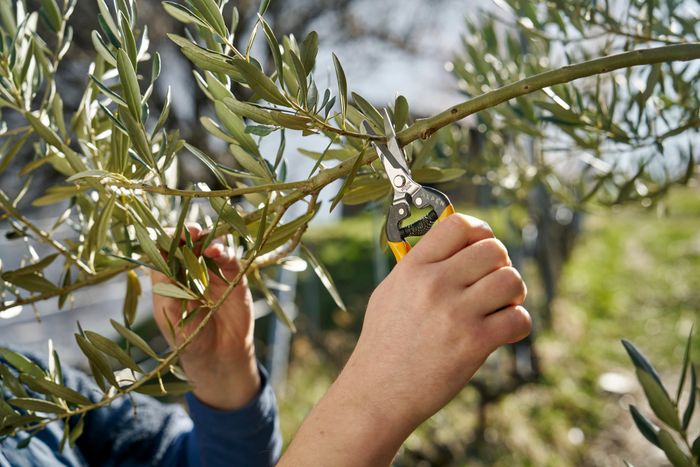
(634,274)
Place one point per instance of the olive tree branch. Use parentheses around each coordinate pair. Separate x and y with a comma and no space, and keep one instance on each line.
(7,206)
(165,363)
(164,190)
(424,128)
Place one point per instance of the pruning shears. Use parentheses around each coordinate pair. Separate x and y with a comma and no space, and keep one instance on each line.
(406,193)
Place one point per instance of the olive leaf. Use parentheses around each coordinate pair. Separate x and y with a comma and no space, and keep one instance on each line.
(259,82)
(324,276)
(134,339)
(50,388)
(131,297)
(342,86)
(37,405)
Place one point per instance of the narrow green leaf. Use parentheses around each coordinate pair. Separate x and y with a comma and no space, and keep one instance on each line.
(400,113)
(8,153)
(205,58)
(134,339)
(173,291)
(324,276)
(262,226)
(260,83)
(150,249)
(104,220)
(33,282)
(129,40)
(695,449)
(285,232)
(340,154)
(234,124)
(175,388)
(53,14)
(672,451)
(183,14)
(348,181)
(264,4)
(230,215)
(206,160)
(260,130)
(692,397)
(275,306)
(195,270)
(209,10)
(686,362)
(46,133)
(57,193)
(22,363)
(309,50)
(342,86)
(640,361)
(646,427)
(98,363)
(250,111)
(10,381)
(138,137)
(64,284)
(369,111)
(249,162)
(292,122)
(658,400)
(112,36)
(130,84)
(274,49)
(50,388)
(131,298)
(109,22)
(110,348)
(37,405)
(368,190)
(301,78)
(36,267)
(76,431)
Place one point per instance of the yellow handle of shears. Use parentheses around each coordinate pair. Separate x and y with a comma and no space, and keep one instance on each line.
(401,249)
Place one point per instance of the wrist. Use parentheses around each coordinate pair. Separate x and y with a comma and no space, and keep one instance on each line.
(224,383)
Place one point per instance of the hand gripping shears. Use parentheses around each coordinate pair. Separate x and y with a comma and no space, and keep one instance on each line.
(406,192)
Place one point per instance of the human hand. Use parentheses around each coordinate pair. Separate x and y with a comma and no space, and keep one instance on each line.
(433,321)
(429,326)
(220,360)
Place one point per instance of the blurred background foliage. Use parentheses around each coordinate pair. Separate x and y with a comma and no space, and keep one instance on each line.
(549,170)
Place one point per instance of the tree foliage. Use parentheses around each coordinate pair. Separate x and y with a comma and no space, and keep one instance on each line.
(115,156)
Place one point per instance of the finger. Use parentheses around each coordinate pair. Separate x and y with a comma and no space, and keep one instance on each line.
(225,257)
(195,230)
(450,236)
(476,261)
(503,287)
(157,277)
(508,325)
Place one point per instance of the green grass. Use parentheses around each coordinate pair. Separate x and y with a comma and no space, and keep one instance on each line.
(634,274)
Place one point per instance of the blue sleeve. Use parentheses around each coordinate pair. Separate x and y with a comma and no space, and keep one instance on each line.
(249,436)
(142,431)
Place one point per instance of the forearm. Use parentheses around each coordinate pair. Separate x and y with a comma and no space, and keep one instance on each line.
(349,427)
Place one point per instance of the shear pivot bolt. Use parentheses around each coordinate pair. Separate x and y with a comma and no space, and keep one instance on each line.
(419,201)
(399,181)
(401,211)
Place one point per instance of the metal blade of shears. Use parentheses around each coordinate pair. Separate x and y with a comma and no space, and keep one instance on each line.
(394,162)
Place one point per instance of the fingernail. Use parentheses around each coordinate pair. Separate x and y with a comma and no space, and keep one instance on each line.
(214,250)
